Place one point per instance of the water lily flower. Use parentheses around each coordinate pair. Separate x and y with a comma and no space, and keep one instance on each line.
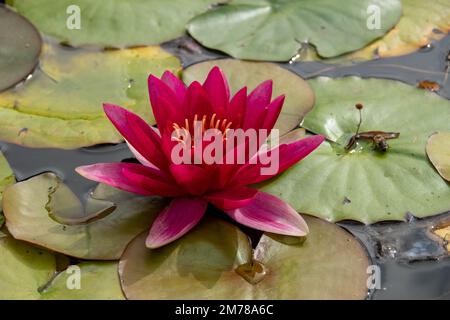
(191,187)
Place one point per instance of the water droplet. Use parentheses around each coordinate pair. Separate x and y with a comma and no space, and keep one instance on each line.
(253,272)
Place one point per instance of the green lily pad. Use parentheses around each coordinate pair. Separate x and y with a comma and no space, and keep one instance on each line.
(112,23)
(61,106)
(299,95)
(438,151)
(368,185)
(28,273)
(98,280)
(20,49)
(23,269)
(416,28)
(6,178)
(330,264)
(28,211)
(274,30)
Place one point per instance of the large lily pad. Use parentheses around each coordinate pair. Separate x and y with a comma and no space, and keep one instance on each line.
(368,185)
(23,269)
(330,264)
(273,30)
(98,280)
(61,106)
(299,95)
(438,150)
(421,22)
(20,49)
(28,208)
(112,23)
(6,178)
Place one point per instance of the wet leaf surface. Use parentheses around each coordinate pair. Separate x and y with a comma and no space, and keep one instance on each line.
(438,151)
(28,205)
(330,264)
(367,185)
(61,106)
(274,30)
(98,281)
(19,50)
(299,95)
(111,23)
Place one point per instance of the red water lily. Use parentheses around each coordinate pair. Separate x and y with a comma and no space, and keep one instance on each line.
(192,186)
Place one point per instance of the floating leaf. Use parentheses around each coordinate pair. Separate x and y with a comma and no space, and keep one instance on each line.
(416,28)
(444,233)
(6,179)
(26,208)
(61,106)
(438,151)
(299,95)
(367,185)
(23,269)
(112,23)
(331,264)
(98,280)
(19,51)
(274,30)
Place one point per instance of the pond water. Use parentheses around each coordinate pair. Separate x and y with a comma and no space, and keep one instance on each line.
(413,265)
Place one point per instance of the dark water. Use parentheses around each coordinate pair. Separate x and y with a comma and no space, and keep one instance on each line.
(413,266)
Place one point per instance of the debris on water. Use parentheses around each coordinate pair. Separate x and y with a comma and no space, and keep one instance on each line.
(429,85)
(346,201)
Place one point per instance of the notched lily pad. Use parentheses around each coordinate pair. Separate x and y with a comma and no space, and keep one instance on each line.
(61,106)
(112,23)
(212,262)
(19,50)
(438,151)
(274,30)
(85,281)
(364,184)
(299,95)
(26,208)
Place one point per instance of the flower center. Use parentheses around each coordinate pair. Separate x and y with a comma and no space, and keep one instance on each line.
(205,123)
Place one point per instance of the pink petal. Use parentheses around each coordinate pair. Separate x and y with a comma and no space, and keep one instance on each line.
(273,112)
(289,154)
(111,174)
(232,198)
(175,84)
(165,104)
(270,214)
(237,107)
(256,105)
(197,102)
(161,186)
(194,179)
(140,157)
(176,220)
(216,86)
(138,134)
